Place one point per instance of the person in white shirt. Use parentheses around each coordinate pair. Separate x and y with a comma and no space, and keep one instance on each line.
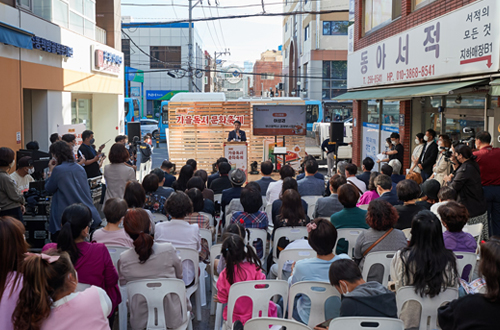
(274,189)
(415,156)
(178,232)
(350,172)
(22,176)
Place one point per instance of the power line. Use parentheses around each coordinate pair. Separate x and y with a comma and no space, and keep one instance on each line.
(220,24)
(221,7)
(213,24)
(248,16)
(208,28)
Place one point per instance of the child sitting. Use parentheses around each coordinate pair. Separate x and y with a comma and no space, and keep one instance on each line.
(48,299)
(114,210)
(241,266)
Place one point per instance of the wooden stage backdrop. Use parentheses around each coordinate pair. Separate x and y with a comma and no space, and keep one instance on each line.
(198,130)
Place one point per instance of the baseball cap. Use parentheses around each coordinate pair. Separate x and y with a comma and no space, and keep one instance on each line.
(25,161)
(430,188)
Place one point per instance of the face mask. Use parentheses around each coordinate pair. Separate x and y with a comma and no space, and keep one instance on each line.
(417,141)
(31,171)
(393,142)
(12,163)
(387,145)
(92,141)
(440,143)
(426,138)
(342,289)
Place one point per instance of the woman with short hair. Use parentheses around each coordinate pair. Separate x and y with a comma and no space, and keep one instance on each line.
(117,174)
(11,203)
(408,193)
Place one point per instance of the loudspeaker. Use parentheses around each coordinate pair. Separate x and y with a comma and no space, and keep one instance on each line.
(133,129)
(337,132)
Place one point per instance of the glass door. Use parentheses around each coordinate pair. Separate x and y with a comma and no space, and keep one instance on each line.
(81,111)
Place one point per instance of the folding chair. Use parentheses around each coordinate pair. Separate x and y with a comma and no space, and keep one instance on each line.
(82,287)
(318,293)
(214,252)
(366,323)
(158,217)
(154,291)
(311,204)
(476,230)
(258,234)
(465,259)
(269,211)
(207,235)
(428,317)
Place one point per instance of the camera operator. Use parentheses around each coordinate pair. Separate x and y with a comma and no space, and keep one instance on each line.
(487,158)
(442,167)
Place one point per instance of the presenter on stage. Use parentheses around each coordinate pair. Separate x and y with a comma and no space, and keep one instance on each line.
(237,134)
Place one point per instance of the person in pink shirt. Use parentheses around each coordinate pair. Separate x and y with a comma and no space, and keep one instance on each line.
(240,266)
(13,246)
(114,210)
(91,260)
(371,193)
(48,300)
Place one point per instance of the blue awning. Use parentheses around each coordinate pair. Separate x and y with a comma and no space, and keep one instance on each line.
(12,35)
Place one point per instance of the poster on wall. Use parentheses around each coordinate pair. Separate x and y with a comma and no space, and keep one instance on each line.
(76,130)
(236,154)
(292,157)
(278,120)
(370,146)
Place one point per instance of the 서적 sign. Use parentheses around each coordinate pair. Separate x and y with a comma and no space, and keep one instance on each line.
(462,42)
(269,120)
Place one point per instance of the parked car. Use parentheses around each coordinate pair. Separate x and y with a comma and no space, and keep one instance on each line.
(149,126)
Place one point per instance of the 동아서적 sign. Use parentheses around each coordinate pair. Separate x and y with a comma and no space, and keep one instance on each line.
(460,43)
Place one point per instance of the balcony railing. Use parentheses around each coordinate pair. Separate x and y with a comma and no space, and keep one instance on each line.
(100,35)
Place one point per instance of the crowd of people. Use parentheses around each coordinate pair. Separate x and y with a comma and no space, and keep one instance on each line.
(420,216)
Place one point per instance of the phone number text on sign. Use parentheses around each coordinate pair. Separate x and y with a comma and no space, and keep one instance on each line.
(209,120)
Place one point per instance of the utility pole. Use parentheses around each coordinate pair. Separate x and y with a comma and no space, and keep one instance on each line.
(190,47)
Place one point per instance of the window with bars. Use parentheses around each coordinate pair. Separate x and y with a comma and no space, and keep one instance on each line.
(168,56)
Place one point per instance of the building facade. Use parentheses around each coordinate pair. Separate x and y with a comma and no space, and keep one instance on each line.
(315,51)
(423,64)
(233,82)
(267,73)
(61,65)
(161,50)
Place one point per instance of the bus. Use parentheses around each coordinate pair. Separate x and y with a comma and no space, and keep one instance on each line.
(314,113)
(132,108)
(163,122)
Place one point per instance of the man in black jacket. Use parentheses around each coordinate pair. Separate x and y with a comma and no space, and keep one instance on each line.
(145,155)
(429,154)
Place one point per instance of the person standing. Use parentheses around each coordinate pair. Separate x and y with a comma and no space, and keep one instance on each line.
(417,151)
(11,203)
(22,176)
(92,157)
(117,174)
(487,159)
(237,134)
(442,167)
(145,153)
(429,155)
(330,155)
(68,185)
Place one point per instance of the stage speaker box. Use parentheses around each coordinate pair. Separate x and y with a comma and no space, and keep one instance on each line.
(133,129)
(337,132)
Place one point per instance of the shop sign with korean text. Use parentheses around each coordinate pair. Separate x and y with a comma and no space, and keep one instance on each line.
(463,42)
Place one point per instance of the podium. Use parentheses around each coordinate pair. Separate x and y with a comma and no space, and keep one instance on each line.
(237,155)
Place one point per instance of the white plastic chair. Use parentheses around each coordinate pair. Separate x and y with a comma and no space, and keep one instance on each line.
(207,235)
(269,211)
(158,217)
(291,233)
(260,323)
(383,258)
(293,255)
(463,260)
(318,293)
(364,207)
(217,198)
(82,286)
(258,234)
(193,255)
(350,235)
(115,252)
(366,323)
(476,230)
(214,252)
(428,317)
(211,220)
(260,292)
(154,291)
(407,233)
(311,204)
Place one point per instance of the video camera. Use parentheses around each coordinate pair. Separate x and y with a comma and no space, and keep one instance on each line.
(471,141)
